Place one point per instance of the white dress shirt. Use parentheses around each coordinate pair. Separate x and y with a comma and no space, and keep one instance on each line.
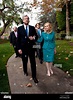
(27,28)
(15,34)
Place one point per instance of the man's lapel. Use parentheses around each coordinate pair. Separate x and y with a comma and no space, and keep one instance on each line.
(23,29)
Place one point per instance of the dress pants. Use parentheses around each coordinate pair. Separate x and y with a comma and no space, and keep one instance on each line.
(16,50)
(29,52)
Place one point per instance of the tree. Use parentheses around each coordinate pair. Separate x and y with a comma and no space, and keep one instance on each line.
(71,15)
(61,19)
(61,4)
(67,18)
(48,12)
(10,12)
(48,5)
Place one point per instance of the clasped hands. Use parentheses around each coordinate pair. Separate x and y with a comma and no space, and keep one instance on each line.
(31,37)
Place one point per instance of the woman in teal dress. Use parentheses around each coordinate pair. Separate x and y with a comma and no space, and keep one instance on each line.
(48,46)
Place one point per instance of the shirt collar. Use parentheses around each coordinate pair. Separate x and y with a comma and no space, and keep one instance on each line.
(25,26)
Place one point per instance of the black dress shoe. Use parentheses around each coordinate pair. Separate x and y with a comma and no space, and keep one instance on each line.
(35,80)
(41,61)
(26,74)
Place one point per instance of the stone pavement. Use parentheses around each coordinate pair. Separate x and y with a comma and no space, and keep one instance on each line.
(58,83)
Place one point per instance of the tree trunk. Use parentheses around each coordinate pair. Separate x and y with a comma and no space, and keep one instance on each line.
(4,27)
(67,20)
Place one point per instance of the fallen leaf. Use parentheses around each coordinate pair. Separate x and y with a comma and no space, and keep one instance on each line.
(3,74)
(59,58)
(29,85)
(71,51)
(30,78)
(20,67)
(21,85)
(66,58)
(67,72)
(3,55)
(14,83)
(58,84)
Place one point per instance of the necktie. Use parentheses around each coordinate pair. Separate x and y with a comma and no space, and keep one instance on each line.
(26,31)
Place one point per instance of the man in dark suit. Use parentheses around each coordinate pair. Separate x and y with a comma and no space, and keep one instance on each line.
(13,41)
(26,40)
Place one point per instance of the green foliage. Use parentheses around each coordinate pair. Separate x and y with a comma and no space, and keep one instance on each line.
(61,16)
(0,29)
(44,18)
(10,12)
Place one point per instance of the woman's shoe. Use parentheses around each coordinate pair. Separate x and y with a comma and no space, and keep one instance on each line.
(51,71)
(48,74)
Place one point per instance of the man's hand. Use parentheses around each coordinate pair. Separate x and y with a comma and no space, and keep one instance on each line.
(32,37)
(20,51)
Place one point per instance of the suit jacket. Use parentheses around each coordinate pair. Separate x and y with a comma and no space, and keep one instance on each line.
(23,40)
(49,40)
(13,39)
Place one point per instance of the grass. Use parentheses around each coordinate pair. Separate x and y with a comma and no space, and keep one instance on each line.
(5,52)
(64,55)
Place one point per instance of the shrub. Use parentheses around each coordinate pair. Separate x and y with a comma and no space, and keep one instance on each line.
(63,36)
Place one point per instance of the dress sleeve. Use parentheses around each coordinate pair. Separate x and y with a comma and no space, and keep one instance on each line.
(54,39)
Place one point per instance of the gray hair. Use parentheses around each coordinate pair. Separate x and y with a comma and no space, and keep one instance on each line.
(24,16)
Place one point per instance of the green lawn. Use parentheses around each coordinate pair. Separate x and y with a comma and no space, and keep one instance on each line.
(64,55)
(5,52)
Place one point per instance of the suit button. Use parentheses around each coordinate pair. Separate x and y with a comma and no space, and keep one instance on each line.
(28,42)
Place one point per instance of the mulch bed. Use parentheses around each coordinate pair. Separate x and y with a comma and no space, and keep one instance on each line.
(3,41)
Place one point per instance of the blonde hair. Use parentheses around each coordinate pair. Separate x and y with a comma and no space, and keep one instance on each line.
(50,26)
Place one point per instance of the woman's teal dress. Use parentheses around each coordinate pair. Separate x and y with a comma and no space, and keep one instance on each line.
(48,46)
